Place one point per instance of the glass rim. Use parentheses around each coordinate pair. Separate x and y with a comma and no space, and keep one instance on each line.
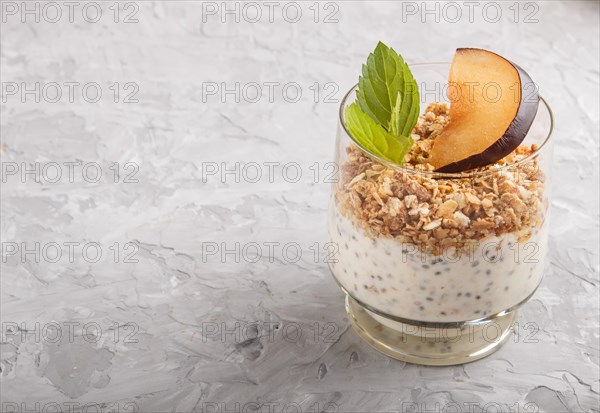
(448,175)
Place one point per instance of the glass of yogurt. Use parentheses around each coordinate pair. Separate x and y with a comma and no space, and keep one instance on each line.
(435,265)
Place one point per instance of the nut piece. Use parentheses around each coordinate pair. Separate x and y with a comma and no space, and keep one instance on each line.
(472,199)
(516,204)
(356,179)
(432,225)
(482,225)
(393,206)
(487,203)
(447,209)
(461,219)
(410,201)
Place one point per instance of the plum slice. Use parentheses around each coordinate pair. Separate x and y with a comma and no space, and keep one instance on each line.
(493,104)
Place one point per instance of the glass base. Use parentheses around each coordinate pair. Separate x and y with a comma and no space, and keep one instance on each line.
(441,344)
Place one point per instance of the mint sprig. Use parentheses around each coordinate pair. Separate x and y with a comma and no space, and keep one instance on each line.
(387,94)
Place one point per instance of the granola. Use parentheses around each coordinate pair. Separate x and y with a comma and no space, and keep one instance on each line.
(435,213)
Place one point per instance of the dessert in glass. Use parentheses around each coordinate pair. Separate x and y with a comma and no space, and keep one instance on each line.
(440,221)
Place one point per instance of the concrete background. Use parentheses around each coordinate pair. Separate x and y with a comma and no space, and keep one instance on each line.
(212,293)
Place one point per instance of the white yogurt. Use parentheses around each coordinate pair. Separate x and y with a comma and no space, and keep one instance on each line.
(396,279)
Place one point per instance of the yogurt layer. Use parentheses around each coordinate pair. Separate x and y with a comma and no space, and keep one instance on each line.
(497,273)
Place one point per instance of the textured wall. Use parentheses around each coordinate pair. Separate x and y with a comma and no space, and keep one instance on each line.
(155,324)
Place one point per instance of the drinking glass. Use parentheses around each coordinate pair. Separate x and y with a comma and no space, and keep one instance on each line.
(435,305)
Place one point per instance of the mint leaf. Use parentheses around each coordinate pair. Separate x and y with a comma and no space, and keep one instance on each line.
(387,105)
(374,138)
(386,78)
(409,110)
(395,119)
